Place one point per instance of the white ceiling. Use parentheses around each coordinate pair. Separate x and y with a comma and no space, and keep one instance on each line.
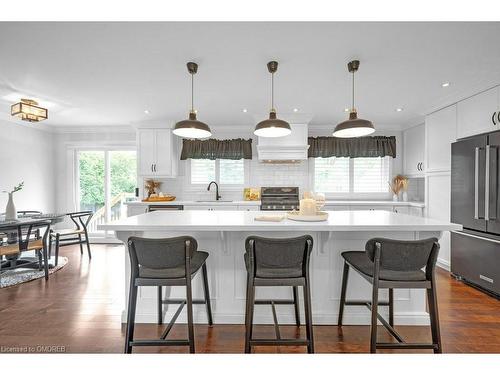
(97,74)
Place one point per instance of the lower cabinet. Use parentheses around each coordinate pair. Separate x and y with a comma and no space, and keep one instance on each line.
(211,208)
(248,208)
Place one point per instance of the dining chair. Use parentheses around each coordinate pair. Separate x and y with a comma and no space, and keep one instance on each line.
(76,235)
(29,239)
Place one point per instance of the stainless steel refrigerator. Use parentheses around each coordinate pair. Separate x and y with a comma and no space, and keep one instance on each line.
(475,193)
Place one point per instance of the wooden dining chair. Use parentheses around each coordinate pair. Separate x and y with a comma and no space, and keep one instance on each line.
(29,239)
(77,235)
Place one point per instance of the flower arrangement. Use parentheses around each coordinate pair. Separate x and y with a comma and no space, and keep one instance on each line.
(151,186)
(399,183)
(16,188)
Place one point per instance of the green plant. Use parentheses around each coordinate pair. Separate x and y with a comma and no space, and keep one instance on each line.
(16,188)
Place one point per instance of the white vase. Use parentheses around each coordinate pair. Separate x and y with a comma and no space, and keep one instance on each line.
(394,197)
(10,210)
(405,196)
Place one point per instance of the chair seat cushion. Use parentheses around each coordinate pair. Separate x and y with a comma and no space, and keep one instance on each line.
(273,272)
(197,260)
(360,261)
(67,232)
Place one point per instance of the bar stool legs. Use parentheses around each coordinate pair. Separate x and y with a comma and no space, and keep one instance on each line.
(132,302)
(343,291)
(433,312)
(249,314)
(296,305)
(207,294)
(308,314)
(160,305)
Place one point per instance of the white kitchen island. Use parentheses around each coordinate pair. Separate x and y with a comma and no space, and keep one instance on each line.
(222,234)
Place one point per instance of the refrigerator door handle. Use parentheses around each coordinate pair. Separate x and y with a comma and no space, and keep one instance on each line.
(476,183)
(487,186)
(477,237)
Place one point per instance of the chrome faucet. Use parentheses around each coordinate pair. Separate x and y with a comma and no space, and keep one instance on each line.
(217,196)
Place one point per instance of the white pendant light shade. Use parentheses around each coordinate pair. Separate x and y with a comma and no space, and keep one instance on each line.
(192,128)
(354,127)
(273,126)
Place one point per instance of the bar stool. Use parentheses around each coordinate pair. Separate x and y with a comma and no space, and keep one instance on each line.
(394,264)
(165,262)
(278,262)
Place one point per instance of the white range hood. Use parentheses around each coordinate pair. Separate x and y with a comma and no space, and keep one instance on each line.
(287,149)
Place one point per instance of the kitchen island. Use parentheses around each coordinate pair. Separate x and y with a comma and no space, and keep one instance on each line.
(222,235)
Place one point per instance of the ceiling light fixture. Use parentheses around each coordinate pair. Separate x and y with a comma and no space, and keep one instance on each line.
(295,109)
(346,109)
(353,127)
(146,111)
(272,127)
(28,110)
(192,128)
(245,110)
(445,84)
(399,109)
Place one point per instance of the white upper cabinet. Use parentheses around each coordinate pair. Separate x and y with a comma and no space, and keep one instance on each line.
(157,152)
(413,150)
(440,133)
(479,113)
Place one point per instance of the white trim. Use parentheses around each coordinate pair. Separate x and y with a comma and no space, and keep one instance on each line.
(444,264)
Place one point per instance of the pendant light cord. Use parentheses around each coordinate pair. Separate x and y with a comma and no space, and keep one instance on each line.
(272,91)
(192,92)
(352,91)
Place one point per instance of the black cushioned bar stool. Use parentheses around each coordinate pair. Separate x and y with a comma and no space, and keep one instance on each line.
(165,262)
(393,264)
(278,262)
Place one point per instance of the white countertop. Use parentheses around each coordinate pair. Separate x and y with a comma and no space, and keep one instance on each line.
(242,221)
(257,203)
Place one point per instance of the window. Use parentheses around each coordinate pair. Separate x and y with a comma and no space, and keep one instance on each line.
(105,180)
(352,175)
(223,171)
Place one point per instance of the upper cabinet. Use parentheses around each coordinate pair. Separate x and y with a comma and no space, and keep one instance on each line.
(440,133)
(413,150)
(157,152)
(479,113)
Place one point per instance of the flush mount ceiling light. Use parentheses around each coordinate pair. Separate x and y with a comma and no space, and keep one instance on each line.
(192,128)
(28,110)
(445,84)
(272,127)
(354,126)
(399,109)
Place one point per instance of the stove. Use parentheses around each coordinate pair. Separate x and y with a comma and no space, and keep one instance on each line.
(279,198)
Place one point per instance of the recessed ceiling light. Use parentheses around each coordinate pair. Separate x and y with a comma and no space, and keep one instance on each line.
(346,109)
(146,111)
(445,84)
(399,109)
(245,110)
(295,109)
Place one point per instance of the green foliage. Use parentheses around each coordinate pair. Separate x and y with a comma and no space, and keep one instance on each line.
(16,188)
(92,174)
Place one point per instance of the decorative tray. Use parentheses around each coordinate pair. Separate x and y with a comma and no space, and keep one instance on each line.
(168,198)
(295,215)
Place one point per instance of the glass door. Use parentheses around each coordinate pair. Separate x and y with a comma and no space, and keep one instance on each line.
(105,180)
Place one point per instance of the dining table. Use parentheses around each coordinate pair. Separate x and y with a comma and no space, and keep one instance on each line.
(9,228)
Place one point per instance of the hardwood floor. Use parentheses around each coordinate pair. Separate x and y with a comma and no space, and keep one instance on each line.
(79,309)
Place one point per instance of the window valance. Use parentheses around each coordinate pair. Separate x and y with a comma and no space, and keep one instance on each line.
(212,149)
(325,147)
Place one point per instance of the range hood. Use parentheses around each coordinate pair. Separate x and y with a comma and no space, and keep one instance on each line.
(288,149)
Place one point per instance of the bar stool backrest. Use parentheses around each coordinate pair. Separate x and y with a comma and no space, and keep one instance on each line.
(160,253)
(399,255)
(289,254)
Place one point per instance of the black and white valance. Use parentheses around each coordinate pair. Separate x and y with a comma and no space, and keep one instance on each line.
(325,147)
(212,149)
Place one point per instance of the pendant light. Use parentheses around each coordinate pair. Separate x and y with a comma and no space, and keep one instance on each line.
(272,127)
(354,127)
(192,128)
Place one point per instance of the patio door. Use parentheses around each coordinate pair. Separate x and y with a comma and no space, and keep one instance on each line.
(105,180)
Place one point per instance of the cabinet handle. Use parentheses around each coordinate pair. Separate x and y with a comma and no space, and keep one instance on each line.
(152,168)
(418,166)
(493,118)
(498,116)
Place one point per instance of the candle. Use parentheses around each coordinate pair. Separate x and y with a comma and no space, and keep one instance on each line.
(307,206)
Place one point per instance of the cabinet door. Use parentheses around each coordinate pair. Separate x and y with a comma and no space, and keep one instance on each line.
(248,208)
(438,207)
(146,151)
(414,150)
(401,209)
(335,207)
(164,153)
(475,115)
(440,133)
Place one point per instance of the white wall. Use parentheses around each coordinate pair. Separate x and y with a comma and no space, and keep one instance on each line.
(27,154)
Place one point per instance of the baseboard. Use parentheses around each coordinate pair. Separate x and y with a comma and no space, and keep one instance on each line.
(444,264)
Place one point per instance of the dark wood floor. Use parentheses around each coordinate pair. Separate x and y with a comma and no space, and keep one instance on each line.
(79,309)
